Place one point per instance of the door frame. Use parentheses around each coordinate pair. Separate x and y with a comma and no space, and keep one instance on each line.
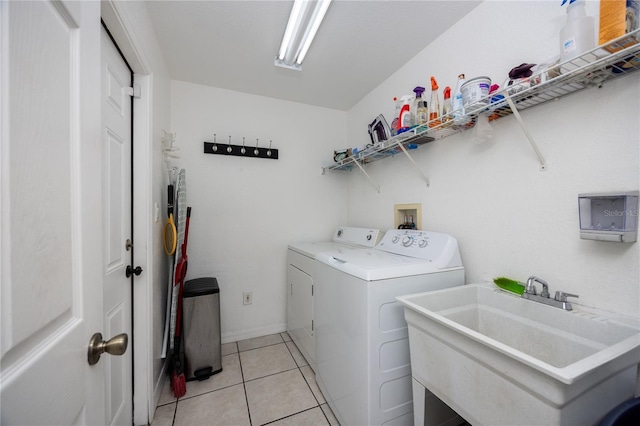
(143,382)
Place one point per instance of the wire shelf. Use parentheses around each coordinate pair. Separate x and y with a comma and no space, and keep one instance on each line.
(592,69)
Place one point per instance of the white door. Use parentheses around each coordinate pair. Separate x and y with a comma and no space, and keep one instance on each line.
(51,202)
(116,137)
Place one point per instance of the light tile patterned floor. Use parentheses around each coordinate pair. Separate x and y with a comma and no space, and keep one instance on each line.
(265,380)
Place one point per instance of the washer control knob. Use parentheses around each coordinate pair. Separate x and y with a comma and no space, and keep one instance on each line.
(406,241)
(423,243)
(339,232)
(369,237)
(395,239)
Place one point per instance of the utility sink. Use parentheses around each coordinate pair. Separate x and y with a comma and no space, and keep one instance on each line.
(496,358)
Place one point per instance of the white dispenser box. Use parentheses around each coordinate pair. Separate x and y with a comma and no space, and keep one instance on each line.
(611,216)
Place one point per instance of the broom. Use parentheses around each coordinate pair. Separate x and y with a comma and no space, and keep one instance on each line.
(178,381)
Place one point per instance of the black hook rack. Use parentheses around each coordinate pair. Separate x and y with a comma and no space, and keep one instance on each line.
(240,150)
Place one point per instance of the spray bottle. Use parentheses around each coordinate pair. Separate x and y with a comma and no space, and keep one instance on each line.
(446,108)
(578,34)
(457,104)
(420,107)
(434,108)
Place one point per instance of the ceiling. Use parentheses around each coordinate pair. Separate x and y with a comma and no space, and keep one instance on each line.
(232,45)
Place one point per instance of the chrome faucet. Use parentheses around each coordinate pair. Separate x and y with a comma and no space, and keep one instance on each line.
(531,289)
(559,300)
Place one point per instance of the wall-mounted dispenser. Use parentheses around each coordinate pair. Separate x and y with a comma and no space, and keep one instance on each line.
(609,216)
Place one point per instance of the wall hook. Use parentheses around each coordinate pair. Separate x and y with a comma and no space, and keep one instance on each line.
(241,150)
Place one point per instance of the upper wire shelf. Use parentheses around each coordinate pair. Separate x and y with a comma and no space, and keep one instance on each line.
(592,69)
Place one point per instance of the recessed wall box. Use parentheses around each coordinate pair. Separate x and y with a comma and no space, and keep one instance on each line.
(406,215)
(609,216)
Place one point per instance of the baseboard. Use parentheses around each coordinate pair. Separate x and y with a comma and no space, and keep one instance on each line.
(234,336)
(157,389)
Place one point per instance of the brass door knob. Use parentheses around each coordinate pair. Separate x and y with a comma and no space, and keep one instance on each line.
(117,345)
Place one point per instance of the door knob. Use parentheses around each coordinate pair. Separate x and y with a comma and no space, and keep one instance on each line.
(137,271)
(117,345)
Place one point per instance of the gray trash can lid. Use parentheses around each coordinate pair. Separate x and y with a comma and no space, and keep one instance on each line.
(200,287)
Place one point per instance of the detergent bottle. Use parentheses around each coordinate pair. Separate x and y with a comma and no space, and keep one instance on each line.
(420,107)
(578,34)
(395,124)
(405,121)
(434,108)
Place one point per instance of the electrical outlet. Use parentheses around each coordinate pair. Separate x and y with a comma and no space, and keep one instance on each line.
(247,297)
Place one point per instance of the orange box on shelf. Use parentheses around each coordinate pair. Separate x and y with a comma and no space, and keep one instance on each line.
(617,18)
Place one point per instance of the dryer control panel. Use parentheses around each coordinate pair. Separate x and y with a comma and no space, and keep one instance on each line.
(365,237)
(427,245)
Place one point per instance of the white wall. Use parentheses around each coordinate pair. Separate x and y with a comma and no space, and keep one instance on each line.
(246,210)
(511,219)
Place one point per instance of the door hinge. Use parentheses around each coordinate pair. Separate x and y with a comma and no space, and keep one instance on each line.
(311,325)
(134,91)
(312,290)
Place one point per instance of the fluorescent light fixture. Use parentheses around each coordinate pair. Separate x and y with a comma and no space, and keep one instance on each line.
(304,21)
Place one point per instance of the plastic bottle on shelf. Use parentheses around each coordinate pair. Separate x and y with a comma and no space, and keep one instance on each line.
(457,104)
(578,34)
(420,107)
(434,107)
(405,121)
(395,124)
(446,107)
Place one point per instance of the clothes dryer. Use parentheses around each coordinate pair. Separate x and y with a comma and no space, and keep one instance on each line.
(300,281)
(362,345)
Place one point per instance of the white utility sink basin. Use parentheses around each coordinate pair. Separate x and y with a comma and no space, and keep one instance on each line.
(496,358)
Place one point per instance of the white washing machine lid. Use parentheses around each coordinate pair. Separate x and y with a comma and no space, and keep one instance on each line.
(374,265)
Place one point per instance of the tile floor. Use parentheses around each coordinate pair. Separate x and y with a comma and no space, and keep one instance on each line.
(265,380)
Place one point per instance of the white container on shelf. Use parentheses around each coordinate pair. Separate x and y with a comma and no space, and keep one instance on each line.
(475,93)
(578,34)
(457,104)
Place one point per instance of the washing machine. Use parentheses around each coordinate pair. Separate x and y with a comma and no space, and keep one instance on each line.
(300,281)
(362,343)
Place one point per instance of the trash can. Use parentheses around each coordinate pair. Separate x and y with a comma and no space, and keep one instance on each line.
(625,414)
(201,322)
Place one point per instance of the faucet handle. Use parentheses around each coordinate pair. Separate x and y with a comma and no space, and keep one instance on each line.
(545,290)
(561,296)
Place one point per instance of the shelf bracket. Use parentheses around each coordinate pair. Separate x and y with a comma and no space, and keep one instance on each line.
(543,162)
(367,175)
(426,179)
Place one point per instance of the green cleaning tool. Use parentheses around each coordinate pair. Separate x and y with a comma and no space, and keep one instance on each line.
(509,285)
